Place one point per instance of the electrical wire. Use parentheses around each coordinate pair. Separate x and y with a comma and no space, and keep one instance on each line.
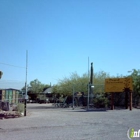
(12,65)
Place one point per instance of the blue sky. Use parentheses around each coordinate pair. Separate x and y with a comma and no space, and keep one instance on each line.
(60,35)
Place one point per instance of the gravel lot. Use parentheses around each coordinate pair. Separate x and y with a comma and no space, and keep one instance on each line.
(44,122)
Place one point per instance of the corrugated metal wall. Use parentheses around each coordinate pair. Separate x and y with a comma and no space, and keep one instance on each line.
(3,95)
(9,95)
(6,95)
(14,96)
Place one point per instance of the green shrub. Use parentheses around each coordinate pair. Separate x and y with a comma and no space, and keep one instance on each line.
(101,101)
(20,108)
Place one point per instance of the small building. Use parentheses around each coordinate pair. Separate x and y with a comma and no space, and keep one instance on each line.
(48,90)
(10,95)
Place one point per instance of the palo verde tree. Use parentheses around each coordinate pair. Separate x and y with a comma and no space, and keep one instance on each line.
(66,85)
(99,81)
(35,88)
(135,74)
(80,83)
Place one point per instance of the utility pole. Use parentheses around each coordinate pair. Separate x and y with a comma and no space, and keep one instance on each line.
(25,103)
(73,98)
(88,96)
(90,86)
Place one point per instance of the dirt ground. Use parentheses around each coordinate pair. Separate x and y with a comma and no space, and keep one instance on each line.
(45,122)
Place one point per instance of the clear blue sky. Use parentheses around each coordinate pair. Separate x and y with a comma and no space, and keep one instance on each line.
(60,35)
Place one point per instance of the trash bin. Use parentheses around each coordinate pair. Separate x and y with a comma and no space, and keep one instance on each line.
(5,106)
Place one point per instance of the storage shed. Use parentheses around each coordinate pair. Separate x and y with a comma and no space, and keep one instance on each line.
(10,95)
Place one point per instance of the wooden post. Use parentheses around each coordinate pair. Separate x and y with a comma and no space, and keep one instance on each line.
(126,100)
(112,101)
(130,102)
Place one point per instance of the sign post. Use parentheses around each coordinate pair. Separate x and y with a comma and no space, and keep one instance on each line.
(126,99)
(130,101)
(112,101)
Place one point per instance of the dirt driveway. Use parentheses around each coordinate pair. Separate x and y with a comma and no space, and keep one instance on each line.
(44,122)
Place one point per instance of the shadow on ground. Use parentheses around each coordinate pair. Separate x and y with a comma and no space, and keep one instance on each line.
(84,110)
(42,106)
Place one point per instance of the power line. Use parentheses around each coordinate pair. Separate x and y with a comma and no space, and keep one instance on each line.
(18,81)
(12,65)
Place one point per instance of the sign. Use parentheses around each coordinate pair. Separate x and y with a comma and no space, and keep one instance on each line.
(118,84)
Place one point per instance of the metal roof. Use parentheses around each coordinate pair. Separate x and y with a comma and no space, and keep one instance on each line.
(48,90)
